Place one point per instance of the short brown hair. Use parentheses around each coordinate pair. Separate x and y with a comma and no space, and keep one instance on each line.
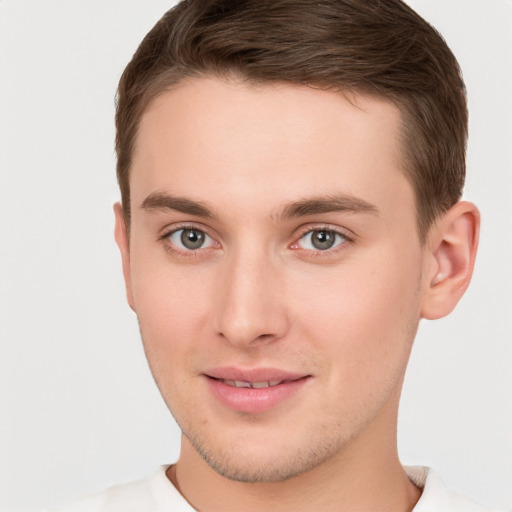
(379,47)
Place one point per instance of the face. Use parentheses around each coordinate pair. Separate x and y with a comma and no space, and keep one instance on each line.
(275,269)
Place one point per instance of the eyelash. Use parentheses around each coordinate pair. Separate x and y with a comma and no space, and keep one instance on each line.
(346,239)
(191,253)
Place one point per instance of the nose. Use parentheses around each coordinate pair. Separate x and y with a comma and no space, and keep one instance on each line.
(250,303)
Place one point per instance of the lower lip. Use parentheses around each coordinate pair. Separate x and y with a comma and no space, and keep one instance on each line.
(254,400)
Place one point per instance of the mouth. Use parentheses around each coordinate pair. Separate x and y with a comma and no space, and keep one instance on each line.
(254,391)
(254,385)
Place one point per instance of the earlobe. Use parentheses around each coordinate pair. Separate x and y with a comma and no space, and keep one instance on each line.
(122,240)
(452,247)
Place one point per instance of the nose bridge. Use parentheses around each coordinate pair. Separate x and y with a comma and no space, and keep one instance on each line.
(250,306)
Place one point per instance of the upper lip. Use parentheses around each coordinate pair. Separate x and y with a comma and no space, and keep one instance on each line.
(253,374)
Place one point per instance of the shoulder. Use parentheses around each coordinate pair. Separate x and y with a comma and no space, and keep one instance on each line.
(151,494)
(436,497)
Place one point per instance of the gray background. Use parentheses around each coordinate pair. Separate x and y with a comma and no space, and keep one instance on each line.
(79,410)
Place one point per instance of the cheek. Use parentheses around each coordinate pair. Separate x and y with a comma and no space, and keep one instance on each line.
(172,323)
(171,305)
(364,315)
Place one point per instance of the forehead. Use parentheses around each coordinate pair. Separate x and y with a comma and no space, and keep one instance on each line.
(220,140)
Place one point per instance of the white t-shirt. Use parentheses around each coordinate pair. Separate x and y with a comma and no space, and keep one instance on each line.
(157,494)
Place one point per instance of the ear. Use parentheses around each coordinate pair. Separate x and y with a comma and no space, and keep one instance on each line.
(451,251)
(123,242)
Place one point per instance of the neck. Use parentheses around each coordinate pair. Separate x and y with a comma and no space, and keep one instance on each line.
(366,475)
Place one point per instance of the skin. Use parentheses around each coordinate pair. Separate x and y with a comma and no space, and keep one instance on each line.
(260,171)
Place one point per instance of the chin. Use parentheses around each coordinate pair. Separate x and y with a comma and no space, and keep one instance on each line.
(258,463)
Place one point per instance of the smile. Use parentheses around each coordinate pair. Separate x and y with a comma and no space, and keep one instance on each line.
(254,391)
(255,385)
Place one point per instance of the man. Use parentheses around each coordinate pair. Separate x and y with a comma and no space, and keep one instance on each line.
(290,175)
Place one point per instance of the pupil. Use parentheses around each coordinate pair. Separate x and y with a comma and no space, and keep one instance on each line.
(323,240)
(192,239)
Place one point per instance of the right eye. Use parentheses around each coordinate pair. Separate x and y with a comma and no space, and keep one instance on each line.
(190,239)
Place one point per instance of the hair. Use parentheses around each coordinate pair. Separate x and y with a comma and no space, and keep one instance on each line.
(379,47)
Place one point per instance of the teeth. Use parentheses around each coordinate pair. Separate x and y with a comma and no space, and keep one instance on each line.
(260,385)
(256,385)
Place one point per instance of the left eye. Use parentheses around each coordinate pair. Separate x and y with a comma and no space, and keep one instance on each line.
(190,239)
(321,240)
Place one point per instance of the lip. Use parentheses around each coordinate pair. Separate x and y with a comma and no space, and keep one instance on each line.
(253,400)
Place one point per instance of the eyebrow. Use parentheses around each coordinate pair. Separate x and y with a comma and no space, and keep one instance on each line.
(328,204)
(163,202)
(302,208)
